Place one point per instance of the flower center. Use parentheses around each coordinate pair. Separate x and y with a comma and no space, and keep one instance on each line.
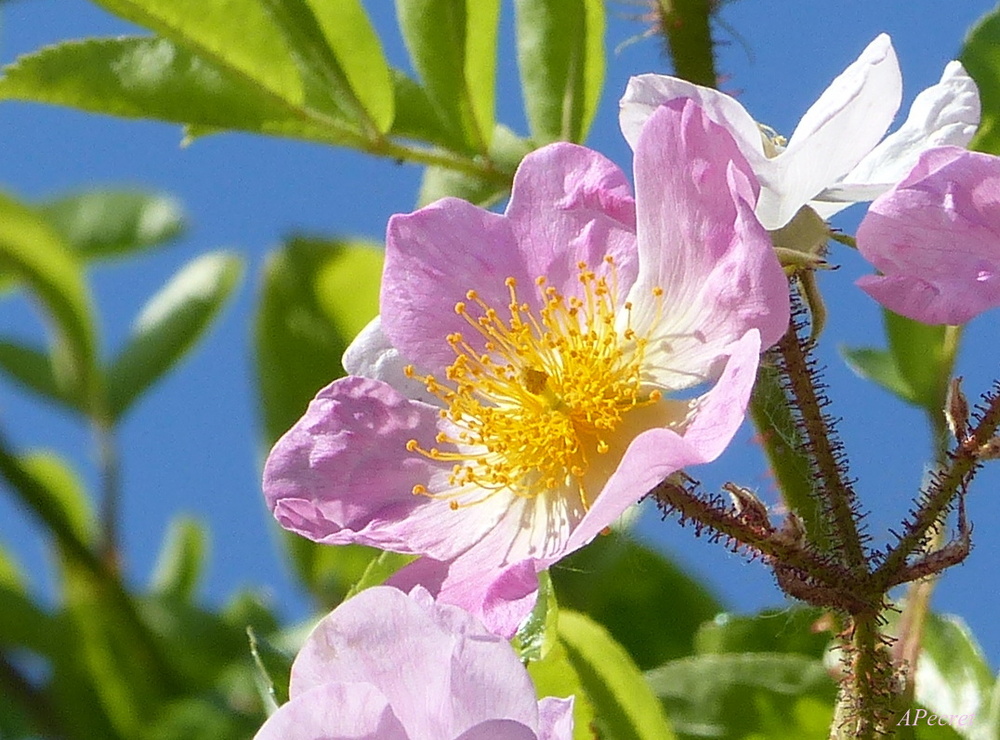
(545,394)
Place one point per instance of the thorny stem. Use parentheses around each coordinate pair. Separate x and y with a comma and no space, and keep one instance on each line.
(946,485)
(867,696)
(835,491)
(764,542)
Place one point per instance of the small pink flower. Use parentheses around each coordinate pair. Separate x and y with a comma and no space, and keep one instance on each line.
(935,237)
(519,390)
(387,666)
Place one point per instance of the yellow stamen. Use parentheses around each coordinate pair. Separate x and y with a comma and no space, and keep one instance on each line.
(528,414)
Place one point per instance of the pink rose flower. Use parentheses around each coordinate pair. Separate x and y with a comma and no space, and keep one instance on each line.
(387,666)
(521,387)
(935,237)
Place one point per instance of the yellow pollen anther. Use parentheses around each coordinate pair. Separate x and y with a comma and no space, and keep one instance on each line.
(536,392)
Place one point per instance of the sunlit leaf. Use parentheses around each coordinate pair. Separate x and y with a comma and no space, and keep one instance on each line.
(358,52)
(380,569)
(791,630)
(539,632)
(554,675)
(232,34)
(100,224)
(453,47)
(170,324)
(560,51)
(143,77)
(624,705)
(878,366)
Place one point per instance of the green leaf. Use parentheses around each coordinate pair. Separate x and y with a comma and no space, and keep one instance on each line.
(195,718)
(328,572)
(102,224)
(35,254)
(233,34)
(506,152)
(554,675)
(539,632)
(981,58)
(953,677)
(315,296)
(358,51)
(169,326)
(143,77)
(181,561)
(32,368)
(629,589)
(274,668)
(453,46)
(879,366)
(560,51)
(380,569)
(66,493)
(624,706)
(752,695)
(416,117)
(924,356)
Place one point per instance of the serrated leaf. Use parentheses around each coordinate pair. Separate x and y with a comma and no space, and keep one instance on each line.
(101,224)
(628,588)
(233,34)
(624,706)
(453,47)
(142,77)
(181,560)
(981,58)
(560,52)
(737,695)
(315,296)
(32,368)
(169,326)
(35,255)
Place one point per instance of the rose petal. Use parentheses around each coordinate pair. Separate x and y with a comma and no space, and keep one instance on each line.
(700,242)
(343,475)
(936,238)
(441,671)
(837,131)
(555,719)
(371,355)
(335,711)
(945,114)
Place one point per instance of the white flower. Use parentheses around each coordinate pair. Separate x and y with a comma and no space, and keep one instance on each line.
(834,157)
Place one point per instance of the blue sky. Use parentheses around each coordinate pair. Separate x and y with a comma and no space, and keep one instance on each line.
(191,446)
